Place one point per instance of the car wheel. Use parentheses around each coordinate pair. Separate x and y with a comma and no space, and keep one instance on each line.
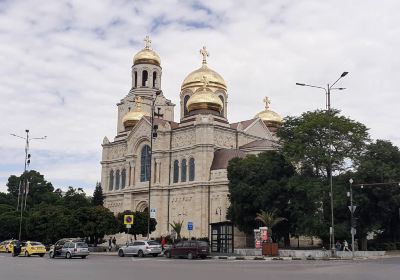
(190,256)
(68,255)
(41,255)
(27,254)
(168,254)
(155,255)
(83,257)
(203,257)
(140,254)
(121,253)
(51,254)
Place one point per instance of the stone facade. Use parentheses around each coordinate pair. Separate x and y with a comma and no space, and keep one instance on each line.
(188,164)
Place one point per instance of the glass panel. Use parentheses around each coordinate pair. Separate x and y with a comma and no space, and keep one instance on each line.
(145,164)
(123,178)
(183,171)
(191,169)
(176,171)
(111,182)
(117,180)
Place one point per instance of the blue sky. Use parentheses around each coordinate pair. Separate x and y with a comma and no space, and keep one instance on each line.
(65,64)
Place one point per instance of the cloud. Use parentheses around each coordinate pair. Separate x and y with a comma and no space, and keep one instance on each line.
(65,64)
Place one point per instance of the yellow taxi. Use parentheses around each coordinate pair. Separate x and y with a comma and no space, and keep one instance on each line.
(30,248)
(7,246)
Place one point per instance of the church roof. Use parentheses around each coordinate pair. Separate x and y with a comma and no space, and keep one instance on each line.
(263,143)
(245,124)
(223,156)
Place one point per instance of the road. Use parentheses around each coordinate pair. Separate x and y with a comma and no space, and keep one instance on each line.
(97,267)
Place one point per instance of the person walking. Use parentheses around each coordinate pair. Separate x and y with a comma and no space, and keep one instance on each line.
(114,241)
(109,244)
(338,245)
(163,242)
(346,246)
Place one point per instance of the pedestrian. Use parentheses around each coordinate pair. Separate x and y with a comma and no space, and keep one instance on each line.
(346,246)
(114,241)
(338,245)
(109,244)
(163,242)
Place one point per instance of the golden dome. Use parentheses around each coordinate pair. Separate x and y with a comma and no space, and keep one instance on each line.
(204,98)
(147,55)
(133,117)
(195,78)
(269,117)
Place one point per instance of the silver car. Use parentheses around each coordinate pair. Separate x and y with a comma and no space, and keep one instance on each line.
(140,249)
(75,249)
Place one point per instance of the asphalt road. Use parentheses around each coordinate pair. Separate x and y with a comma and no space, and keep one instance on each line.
(112,268)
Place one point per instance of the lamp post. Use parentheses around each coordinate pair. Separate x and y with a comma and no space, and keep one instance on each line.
(153,134)
(352,209)
(23,189)
(328,90)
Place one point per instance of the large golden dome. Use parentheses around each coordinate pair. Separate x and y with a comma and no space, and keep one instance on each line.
(204,98)
(133,117)
(269,117)
(147,55)
(195,78)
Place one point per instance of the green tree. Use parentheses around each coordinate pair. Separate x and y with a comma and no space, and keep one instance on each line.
(98,198)
(75,198)
(139,224)
(177,227)
(259,182)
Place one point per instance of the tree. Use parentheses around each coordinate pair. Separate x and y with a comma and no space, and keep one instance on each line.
(98,198)
(306,141)
(269,219)
(139,224)
(177,227)
(258,182)
(75,198)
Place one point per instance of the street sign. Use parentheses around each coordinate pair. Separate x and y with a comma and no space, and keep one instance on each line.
(128,226)
(354,208)
(153,212)
(190,226)
(353,231)
(128,219)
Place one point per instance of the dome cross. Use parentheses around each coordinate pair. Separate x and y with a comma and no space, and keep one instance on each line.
(204,53)
(147,42)
(138,101)
(267,101)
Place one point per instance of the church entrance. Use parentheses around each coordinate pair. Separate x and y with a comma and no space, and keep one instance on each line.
(221,237)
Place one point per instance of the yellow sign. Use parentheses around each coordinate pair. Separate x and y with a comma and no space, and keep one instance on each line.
(128,219)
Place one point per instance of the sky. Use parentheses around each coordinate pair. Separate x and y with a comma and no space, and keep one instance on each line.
(65,64)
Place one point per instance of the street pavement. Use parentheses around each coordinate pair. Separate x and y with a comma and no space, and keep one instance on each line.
(98,267)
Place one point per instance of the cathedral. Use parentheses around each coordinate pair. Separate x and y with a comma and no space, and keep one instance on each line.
(177,169)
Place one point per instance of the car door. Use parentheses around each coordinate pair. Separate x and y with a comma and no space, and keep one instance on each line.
(128,249)
(64,249)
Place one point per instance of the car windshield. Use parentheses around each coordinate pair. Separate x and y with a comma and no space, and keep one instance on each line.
(153,243)
(36,244)
(81,245)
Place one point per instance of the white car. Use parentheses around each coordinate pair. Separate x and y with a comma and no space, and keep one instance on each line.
(141,249)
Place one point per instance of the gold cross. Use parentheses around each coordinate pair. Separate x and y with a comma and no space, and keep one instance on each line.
(147,42)
(267,101)
(138,101)
(204,53)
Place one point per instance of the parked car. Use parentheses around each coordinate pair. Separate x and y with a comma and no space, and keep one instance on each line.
(30,248)
(56,250)
(141,249)
(191,249)
(7,246)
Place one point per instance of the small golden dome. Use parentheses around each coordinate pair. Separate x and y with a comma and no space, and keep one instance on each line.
(204,98)
(147,55)
(133,117)
(269,117)
(195,78)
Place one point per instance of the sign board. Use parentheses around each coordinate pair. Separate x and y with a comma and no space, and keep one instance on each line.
(264,233)
(128,219)
(353,231)
(173,234)
(190,226)
(354,208)
(128,226)
(153,212)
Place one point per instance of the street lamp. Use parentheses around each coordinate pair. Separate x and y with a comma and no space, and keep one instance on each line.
(153,134)
(328,107)
(352,209)
(23,190)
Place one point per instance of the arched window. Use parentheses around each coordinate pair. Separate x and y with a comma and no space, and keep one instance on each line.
(154,79)
(185,110)
(183,171)
(176,171)
(123,178)
(223,105)
(145,76)
(191,169)
(117,180)
(111,182)
(145,162)
(135,78)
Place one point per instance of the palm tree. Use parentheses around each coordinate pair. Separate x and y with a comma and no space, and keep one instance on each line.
(269,219)
(177,227)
